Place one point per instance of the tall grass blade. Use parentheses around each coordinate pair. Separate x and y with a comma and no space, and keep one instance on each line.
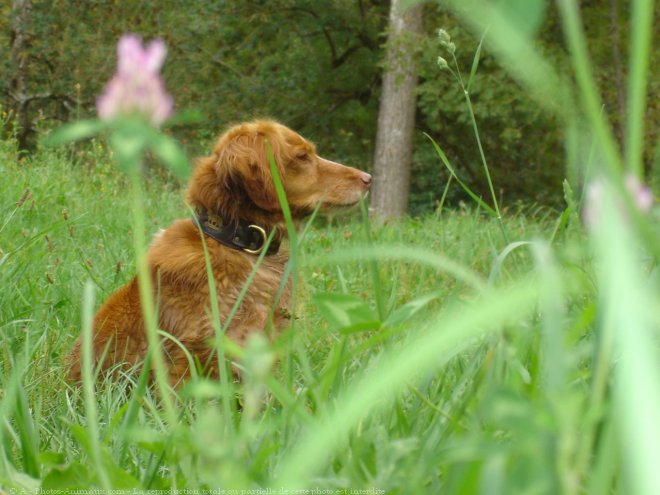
(588,90)
(628,310)
(286,210)
(553,360)
(496,270)
(292,267)
(482,155)
(88,382)
(373,265)
(400,252)
(425,352)
(641,30)
(475,62)
(29,440)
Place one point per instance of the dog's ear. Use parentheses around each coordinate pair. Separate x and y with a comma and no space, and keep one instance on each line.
(243,160)
(205,189)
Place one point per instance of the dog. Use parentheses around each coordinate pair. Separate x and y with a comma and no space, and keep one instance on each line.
(236,209)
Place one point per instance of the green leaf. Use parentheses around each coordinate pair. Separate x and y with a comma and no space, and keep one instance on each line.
(117,417)
(569,196)
(346,313)
(377,386)
(202,389)
(117,477)
(561,224)
(29,440)
(408,310)
(569,215)
(81,436)
(17,481)
(185,117)
(51,459)
(76,131)
(170,153)
(476,198)
(73,476)
(147,439)
(499,261)
(128,141)
(475,61)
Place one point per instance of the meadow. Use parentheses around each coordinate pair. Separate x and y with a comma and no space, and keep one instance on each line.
(481,348)
(427,355)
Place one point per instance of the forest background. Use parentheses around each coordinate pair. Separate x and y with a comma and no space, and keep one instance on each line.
(316,66)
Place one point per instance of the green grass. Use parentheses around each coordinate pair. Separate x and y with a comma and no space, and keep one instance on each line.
(461,352)
(447,397)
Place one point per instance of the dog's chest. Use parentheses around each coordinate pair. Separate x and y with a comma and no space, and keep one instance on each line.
(268,285)
(257,298)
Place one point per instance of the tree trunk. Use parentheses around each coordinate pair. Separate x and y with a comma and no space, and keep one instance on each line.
(20,21)
(396,116)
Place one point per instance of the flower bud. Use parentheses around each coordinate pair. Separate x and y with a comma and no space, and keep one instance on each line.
(442,63)
(443,37)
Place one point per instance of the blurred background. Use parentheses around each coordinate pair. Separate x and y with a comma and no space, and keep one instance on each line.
(315,65)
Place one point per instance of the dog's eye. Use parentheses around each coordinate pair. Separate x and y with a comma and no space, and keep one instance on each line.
(303,157)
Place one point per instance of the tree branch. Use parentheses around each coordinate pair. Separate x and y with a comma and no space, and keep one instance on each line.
(336,59)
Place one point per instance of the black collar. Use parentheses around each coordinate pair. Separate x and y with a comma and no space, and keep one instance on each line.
(242,235)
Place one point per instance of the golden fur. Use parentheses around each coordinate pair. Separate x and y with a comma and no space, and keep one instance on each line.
(235,183)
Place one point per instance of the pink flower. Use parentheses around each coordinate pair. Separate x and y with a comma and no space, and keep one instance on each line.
(642,195)
(593,206)
(137,87)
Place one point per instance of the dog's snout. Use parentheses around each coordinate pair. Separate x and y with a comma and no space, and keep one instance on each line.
(365,178)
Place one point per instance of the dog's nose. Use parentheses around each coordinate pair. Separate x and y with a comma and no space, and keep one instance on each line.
(366,178)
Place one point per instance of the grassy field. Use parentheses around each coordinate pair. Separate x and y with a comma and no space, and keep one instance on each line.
(455,353)
(426,356)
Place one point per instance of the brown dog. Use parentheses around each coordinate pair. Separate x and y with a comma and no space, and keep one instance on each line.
(237,207)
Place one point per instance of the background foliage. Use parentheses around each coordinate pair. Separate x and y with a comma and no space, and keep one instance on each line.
(315,66)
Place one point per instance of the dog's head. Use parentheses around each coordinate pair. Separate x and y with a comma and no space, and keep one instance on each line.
(236,181)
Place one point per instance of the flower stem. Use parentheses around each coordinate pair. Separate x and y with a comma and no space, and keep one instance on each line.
(475,128)
(146,296)
(473,120)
